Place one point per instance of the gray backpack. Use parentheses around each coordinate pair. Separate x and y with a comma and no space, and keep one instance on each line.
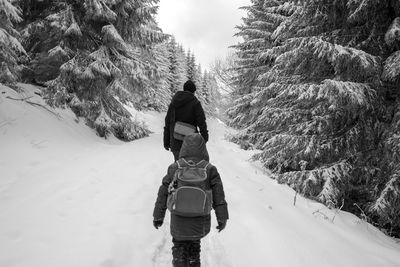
(189,192)
(181,129)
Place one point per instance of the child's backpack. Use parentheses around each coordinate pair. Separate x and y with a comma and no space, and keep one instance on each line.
(190,194)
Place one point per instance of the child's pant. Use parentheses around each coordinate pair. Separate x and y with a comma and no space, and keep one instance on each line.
(186,253)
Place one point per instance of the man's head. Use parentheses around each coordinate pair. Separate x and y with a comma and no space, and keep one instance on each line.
(189,86)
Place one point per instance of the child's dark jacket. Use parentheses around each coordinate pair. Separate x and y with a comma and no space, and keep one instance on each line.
(192,228)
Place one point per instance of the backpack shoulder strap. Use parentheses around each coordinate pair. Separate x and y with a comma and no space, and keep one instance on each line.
(181,163)
(203,164)
(174,178)
(185,163)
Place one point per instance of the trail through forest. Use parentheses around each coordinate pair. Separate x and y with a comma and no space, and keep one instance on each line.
(69,198)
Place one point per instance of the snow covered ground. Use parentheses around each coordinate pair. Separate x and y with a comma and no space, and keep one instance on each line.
(71,199)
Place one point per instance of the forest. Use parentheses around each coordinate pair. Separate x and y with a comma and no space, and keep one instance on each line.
(314,85)
(95,56)
(316,90)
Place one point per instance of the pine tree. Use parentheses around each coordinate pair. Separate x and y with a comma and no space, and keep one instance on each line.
(190,66)
(212,95)
(182,66)
(159,96)
(206,86)
(177,66)
(10,47)
(386,193)
(51,33)
(258,29)
(98,57)
(198,79)
(201,91)
(193,73)
(223,69)
(315,102)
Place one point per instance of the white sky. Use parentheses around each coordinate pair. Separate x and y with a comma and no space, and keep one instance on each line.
(206,27)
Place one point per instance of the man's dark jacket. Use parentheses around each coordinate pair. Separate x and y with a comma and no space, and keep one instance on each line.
(192,228)
(184,107)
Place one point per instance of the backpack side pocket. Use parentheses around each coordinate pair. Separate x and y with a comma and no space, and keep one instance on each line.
(189,201)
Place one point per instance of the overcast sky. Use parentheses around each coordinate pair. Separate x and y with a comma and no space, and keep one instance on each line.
(206,27)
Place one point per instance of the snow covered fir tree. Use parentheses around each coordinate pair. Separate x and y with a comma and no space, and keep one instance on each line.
(96,57)
(317,91)
(10,47)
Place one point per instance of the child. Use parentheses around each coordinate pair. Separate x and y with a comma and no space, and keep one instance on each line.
(187,231)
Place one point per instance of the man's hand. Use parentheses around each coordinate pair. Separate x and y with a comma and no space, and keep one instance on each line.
(157,223)
(221,225)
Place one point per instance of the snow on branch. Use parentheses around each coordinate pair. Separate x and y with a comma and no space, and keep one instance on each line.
(357,63)
(389,198)
(57,51)
(73,30)
(392,35)
(10,41)
(334,178)
(99,10)
(324,184)
(342,94)
(391,69)
(359,9)
(305,54)
(12,12)
(111,36)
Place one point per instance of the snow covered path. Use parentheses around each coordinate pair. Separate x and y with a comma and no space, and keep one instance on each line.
(71,199)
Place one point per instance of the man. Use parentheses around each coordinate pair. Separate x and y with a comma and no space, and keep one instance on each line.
(184,107)
(187,231)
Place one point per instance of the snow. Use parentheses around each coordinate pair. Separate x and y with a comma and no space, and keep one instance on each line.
(391,69)
(10,41)
(393,33)
(74,29)
(69,198)
(10,10)
(57,50)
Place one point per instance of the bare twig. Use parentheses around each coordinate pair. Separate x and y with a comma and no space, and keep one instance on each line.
(320,212)
(337,210)
(38,144)
(40,105)
(295,198)
(363,215)
(34,104)
(4,123)
(19,99)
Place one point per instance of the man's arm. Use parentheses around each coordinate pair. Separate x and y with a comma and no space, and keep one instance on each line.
(167,127)
(201,121)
